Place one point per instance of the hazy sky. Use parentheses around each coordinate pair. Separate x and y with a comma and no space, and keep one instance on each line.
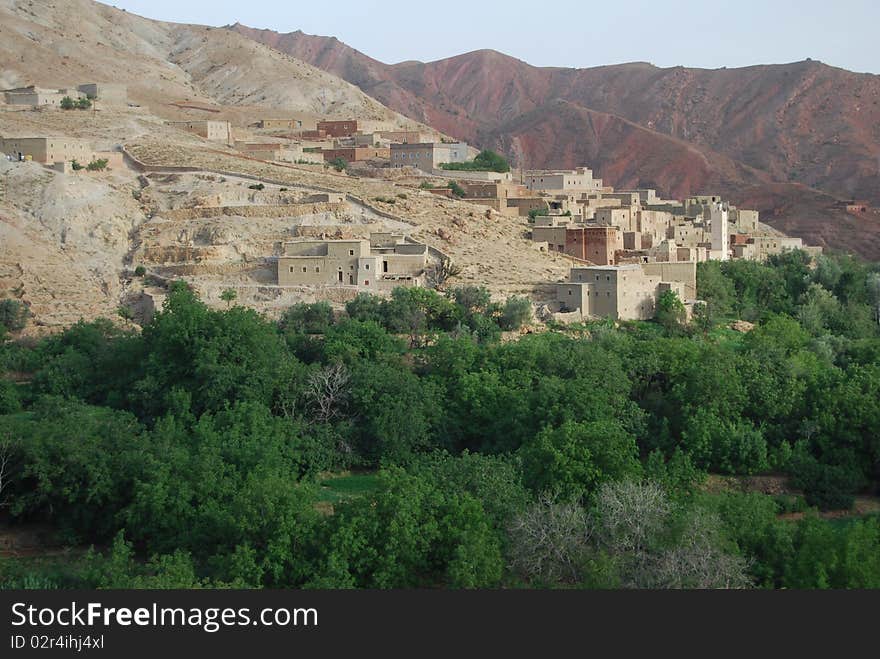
(710,34)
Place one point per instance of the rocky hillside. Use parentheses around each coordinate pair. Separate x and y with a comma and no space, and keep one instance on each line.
(56,44)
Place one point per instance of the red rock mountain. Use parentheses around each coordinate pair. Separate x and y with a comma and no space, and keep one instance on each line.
(758,134)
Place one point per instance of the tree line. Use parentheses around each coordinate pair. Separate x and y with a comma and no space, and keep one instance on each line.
(190,454)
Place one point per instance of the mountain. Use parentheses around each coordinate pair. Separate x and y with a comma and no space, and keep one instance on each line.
(791,139)
(57,44)
(804,122)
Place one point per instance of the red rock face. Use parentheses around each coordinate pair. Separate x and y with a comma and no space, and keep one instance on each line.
(680,130)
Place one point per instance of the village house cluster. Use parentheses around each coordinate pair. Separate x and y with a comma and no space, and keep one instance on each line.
(308,140)
(633,246)
(108,94)
(60,151)
(627,247)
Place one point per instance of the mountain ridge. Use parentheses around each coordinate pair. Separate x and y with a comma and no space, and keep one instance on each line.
(704,106)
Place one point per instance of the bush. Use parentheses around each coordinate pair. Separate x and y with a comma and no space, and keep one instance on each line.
(67,103)
(13,315)
(486,161)
(76,166)
(9,398)
(426,185)
(828,487)
(457,190)
(256,186)
(97,165)
(304,318)
(517,311)
(140,271)
(339,164)
(670,311)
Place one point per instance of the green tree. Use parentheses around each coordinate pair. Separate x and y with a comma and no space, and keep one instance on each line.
(457,190)
(515,313)
(410,534)
(13,315)
(307,318)
(339,164)
(575,458)
(228,296)
(670,311)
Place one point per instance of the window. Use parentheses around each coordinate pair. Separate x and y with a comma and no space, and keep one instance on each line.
(366,282)
(291,269)
(366,266)
(317,269)
(304,268)
(351,252)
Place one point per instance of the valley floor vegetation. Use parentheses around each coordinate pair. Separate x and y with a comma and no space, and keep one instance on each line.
(403,444)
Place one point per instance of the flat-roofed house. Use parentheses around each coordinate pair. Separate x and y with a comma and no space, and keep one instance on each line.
(379,264)
(217,131)
(623,292)
(427,156)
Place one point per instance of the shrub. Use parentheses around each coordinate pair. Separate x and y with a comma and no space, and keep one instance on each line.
(256,186)
(516,312)
(457,190)
(426,185)
(67,103)
(314,318)
(13,315)
(228,296)
(97,165)
(670,311)
(486,161)
(401,196)
(76,166)
(339,164)
(140,271)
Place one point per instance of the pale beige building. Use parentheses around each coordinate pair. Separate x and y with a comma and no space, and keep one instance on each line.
(580,179)
(217,131)
(300,122)
(759,248)
(105,93)
(406,136)
(623,292)
(379,264)
(47,150)
(37,96)
(428,156)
